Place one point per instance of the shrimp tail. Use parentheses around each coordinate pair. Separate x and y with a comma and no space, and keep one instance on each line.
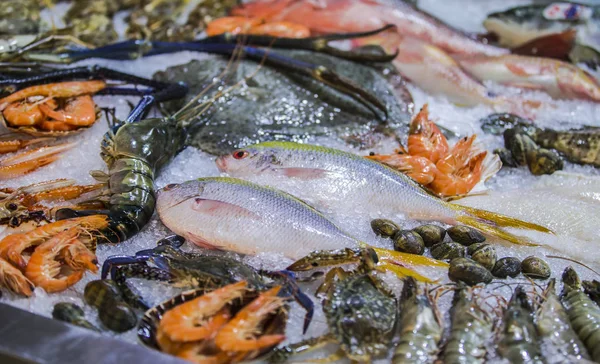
(490,223)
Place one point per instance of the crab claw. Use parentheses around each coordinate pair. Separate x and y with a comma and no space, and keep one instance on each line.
(111,263)
(174,241)
(290,288)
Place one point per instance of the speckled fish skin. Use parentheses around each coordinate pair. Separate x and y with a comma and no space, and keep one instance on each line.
(334,175)
(235,215)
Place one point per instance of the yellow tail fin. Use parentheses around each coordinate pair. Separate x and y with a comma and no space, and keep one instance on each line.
(503,220)
(488,228)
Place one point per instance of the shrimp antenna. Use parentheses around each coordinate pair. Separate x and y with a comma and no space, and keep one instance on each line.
(573,261)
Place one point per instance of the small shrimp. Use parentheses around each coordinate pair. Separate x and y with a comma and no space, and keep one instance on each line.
(60,89)
(583,312)
(231,24)
(519,341)
(420,329)
(13,279)
(458,172)
(78,111)
(553,324)
(421,169)
(201,317)
(12,246)
(471,328)
(283,29)
(425,139)
(239,333)
(23,113)
(43,269)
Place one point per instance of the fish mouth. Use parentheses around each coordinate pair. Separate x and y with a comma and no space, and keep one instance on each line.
(221,163)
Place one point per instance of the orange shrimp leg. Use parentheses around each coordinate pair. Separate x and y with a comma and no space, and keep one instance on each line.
(239,333)
(425,138)
(30,160)
(201,317)
(10,146)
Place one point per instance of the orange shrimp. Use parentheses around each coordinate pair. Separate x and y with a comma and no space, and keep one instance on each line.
(421,169)
(60,89)
(23,113)
(459,171)
(44,270)
(28,161)
(231,24)
(201,317)
(58,194)
(79,257)
(13,279)
(78,111)
(12,246)
(425,138)
(283,29)
(238,334)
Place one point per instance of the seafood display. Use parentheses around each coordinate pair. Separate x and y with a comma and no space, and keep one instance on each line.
(298,181)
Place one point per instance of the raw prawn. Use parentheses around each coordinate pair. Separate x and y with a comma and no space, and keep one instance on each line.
(202,317)
(425,139)
(239,333)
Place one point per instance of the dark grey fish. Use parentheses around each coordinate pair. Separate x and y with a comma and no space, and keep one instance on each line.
(276,104)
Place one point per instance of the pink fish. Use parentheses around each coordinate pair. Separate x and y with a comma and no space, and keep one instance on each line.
(339,16)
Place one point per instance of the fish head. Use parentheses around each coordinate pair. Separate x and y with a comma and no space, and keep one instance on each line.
(250,160)
(176,193)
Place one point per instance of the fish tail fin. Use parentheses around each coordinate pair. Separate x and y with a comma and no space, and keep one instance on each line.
(403,264)
(492,224)
(503,220)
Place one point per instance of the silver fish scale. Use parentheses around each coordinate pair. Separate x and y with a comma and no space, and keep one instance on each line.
(255,218)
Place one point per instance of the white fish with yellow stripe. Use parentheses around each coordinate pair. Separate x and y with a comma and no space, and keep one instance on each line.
(334,176)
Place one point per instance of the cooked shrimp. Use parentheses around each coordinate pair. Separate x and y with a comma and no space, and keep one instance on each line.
(61,89)
(78,111)
(421,169)
(10,146)
(201,317)
(43,269)
(79,257)
(425,138)
(456,180)
(12,246)
(23,113)
(239,333)
(283,29)
(13,279)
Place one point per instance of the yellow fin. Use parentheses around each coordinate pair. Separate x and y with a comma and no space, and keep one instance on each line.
(501,220)
(494,231)
(408,259)
(403,272)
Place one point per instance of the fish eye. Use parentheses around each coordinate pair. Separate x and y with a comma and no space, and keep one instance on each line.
(12,206)
(170,186)
(240,154)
